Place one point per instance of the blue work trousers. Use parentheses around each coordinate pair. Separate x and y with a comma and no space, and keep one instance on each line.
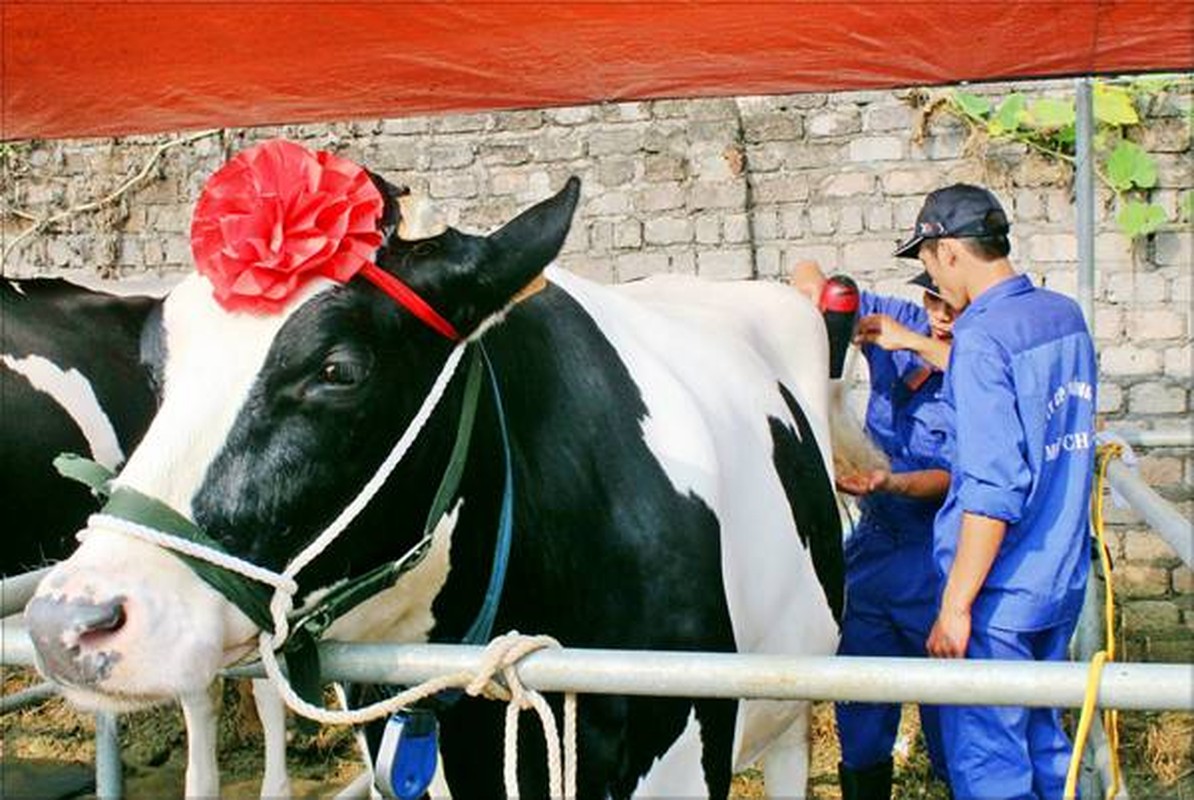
(1008,753)
(891,604)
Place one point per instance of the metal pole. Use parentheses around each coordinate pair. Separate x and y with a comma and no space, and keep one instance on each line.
(16,591)
(1088,640)
(1162,438)
(1091,620)
(1161,516)
(753,676)
(1084,198)
(1137,687)
(27,697)
(108,778)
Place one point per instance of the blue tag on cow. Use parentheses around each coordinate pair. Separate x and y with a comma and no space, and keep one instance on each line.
(407,758)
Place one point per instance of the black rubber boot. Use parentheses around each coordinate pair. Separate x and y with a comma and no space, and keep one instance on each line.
(872,783)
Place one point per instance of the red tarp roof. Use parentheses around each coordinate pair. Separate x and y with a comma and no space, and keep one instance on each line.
(109,68)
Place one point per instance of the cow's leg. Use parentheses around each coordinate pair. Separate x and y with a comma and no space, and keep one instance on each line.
(361,786)
(199,710)
(275,781)
(785,763)
(697,743)
(471,745)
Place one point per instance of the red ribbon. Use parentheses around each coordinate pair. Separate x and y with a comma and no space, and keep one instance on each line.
(408,299)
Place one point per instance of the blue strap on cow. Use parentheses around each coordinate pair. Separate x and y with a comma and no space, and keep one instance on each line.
(406,760)
(482,627)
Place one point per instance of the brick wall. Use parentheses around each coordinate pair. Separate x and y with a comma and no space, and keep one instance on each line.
(725,188)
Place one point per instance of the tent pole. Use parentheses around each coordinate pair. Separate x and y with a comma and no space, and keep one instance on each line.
(1084,198)
(1095,774)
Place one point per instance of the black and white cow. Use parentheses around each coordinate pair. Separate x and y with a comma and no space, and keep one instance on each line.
(71,380)
(669,445)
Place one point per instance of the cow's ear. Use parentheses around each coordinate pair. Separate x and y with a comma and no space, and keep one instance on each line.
(525,245)
(391,196)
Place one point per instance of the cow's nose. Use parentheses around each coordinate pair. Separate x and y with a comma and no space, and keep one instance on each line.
(70,635)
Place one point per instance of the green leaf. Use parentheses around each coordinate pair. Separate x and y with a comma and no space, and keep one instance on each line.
(1113,105)
(1187,207)
(1129,165)
(1153,84)
(1065,138)
(1048,114)
(1007,118)
(1140,219)
(972,105)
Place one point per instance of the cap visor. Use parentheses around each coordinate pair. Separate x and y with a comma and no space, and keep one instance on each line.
(925,281)
(910,248)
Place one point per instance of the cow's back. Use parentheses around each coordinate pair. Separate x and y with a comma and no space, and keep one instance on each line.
(708,358)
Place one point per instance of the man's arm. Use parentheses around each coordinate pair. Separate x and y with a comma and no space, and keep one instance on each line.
(978,544)
(921,484)
(885,332)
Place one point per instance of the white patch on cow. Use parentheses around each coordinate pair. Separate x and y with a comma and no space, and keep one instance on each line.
(71,390)
(402,613)
(214,359)
(678,772)
(16,287)
(706,358)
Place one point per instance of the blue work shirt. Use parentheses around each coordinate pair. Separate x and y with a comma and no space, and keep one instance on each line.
(1022,380)
(912,426)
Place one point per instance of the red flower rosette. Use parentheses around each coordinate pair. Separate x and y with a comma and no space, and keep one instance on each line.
(278,215)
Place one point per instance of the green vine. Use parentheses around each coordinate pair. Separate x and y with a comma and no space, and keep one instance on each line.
(1047,126)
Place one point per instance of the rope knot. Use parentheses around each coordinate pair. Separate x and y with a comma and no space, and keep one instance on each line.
(497,677)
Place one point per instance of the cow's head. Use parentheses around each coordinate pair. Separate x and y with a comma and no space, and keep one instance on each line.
(269,425)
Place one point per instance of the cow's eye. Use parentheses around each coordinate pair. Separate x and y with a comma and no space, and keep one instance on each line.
(337,370)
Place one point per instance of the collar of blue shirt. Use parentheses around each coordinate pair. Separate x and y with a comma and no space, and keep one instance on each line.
(1017,284)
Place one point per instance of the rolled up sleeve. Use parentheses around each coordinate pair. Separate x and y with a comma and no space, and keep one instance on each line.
(991,451)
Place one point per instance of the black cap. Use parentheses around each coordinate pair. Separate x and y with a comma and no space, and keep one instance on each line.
(956,212)
(925,281)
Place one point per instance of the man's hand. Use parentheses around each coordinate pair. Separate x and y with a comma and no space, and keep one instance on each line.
(882,330)
(808,279)
(950,634)
(861,484)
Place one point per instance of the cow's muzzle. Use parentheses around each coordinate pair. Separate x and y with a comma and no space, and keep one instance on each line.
(72,637)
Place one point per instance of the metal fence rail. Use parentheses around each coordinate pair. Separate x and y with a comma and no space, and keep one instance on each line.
(1169,523)
(685,674)
(17,590)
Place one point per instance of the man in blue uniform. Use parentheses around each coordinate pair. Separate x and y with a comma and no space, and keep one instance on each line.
(891,579)
(1011,539)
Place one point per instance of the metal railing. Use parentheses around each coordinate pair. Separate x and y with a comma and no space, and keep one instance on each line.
(1136,687)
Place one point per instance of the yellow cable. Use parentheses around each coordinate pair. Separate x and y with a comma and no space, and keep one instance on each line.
(1084,722)
(1110,716)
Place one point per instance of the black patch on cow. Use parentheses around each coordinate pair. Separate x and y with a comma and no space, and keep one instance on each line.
(152,350)
(74,328)
(811,497)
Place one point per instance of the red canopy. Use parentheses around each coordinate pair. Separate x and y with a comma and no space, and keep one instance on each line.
(100,69)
